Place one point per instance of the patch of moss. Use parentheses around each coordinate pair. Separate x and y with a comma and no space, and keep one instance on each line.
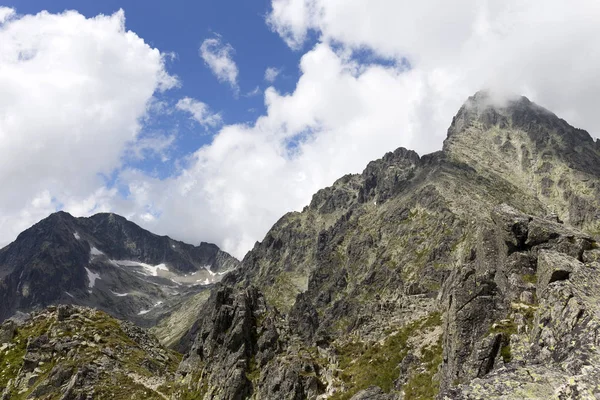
(505,327)
(505,353)
(424,385)
(185,392)
(368,364)
(11,360)
(253,372)
(282,293)
(114,385)
(529,278)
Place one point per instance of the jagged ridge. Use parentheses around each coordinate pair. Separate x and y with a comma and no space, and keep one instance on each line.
(398,277)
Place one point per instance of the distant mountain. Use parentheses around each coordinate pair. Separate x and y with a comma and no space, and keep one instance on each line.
(107,262)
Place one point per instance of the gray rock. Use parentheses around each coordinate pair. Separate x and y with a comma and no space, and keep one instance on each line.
(554,267)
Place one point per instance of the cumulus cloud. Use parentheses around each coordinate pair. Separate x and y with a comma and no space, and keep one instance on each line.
(66,115)
(271,74)
(335,122)
(218,56)
(200,112)
(347,109)
(6,13)
(539,48)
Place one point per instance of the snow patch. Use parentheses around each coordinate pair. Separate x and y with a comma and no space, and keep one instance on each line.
(95,252)
(119,294)
(70,295)
(143,312)
(76,235)
(151,269)
(92,278)
(208,268)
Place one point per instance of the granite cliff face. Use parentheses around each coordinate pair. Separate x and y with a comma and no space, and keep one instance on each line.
(467,273)
(470,273)
(105,262)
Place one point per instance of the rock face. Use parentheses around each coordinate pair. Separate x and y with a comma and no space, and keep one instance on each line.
(105,262)
(70,352)
(470,273)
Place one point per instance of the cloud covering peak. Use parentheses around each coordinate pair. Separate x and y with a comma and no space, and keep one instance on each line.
(373,76)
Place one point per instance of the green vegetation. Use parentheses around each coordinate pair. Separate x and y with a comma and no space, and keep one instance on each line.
(196,389)
(94,332)
(529,278)
(253,372)
(365,365)
(505,353)
(506,327)
(424,385)
(11,360)
(282,293)
(122,387)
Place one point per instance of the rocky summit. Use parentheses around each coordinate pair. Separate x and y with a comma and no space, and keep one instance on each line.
(106,262)
(469,273)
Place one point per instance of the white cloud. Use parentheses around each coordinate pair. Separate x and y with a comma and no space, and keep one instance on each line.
(6,13)
(542,48)
(254,92)
(65,115)
(337,120)
(200,112)
(271,74)
(151,145)
(218,56)
(346,111)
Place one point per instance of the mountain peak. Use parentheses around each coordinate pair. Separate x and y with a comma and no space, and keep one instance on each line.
(101,261)
(514,139)
(487,109)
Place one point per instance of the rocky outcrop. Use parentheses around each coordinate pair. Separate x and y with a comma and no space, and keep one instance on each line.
(550,339)
(69,352)
(237,353)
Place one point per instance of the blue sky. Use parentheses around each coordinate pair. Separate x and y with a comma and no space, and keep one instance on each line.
(180,27)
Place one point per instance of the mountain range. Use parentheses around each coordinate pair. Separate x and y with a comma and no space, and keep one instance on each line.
(105,262)
(469,273)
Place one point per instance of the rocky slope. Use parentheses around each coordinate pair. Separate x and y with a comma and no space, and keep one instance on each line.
(470,273)
(70,352)
(467,273)
(106,262)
